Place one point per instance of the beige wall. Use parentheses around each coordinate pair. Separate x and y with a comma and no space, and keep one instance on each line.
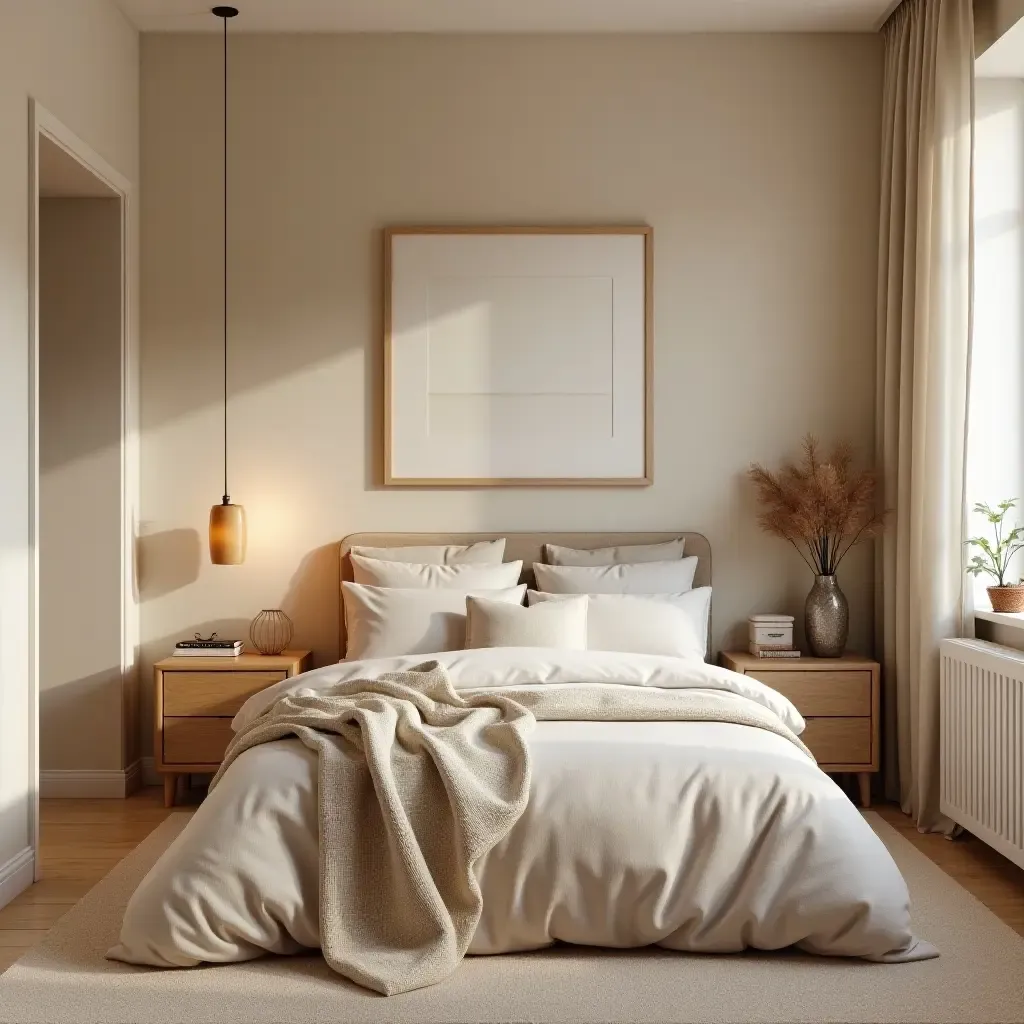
(993,19)
(755,159)
(80,721)
(80,60)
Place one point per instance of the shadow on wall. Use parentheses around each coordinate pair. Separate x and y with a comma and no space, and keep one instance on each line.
(81,723)
(313,602)
(166,562)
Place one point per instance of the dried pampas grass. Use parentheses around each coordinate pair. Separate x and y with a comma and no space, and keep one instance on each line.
(821,506)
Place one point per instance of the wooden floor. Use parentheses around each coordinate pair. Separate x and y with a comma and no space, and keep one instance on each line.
(81,840)
(987,875)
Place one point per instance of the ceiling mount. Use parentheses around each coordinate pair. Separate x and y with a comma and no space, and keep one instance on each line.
(225,12)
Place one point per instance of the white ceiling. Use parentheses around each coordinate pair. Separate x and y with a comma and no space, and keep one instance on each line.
(62,176)
(515,15)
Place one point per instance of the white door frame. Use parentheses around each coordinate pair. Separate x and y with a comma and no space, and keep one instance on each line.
(44,124)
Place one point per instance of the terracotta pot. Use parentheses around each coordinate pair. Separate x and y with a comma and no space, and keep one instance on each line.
(1007,599)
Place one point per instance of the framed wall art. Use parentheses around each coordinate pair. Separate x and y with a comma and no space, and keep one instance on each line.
(518,356)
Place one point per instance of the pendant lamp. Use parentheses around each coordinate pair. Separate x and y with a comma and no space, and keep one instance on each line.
(227,521)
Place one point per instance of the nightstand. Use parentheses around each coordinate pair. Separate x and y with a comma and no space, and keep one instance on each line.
(838,697)
(195,700)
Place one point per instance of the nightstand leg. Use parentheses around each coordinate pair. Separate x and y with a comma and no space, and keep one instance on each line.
(170,789)
(864,784)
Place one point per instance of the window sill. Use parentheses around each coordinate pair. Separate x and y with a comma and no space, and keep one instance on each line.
(1013,619)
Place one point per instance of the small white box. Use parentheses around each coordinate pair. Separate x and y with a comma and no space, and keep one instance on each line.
(771,630)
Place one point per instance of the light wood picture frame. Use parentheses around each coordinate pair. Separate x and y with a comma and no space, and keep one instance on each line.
(518,356)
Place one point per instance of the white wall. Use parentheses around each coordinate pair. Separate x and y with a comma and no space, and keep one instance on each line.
(80,689)
(756,159)
(80,60)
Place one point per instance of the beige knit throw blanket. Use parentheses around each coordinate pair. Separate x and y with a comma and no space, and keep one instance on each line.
(417,781)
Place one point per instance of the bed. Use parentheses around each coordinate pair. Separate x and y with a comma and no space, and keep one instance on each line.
(706,831)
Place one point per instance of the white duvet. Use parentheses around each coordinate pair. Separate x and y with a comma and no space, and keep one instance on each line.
(698,836)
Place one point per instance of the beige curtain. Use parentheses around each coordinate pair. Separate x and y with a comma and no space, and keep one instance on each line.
(924,341)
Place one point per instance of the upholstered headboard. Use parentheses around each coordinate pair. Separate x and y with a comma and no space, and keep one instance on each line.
(529,547)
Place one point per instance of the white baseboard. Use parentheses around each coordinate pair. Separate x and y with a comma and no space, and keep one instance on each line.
(104,784)
(16,875)
(112,784)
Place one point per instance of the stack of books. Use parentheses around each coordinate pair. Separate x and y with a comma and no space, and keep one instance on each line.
(771,636)
(208,649)
(766,651)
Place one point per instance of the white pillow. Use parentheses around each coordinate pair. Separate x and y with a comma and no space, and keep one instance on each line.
(483,552)
(559,624)
(672,624)
(672,577)
(373,572)
(385,622)
(664,552)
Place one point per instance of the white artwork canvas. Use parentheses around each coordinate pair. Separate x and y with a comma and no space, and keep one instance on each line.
(518,356)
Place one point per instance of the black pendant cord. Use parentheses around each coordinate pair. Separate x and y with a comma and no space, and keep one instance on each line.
(226,497)
(224,13)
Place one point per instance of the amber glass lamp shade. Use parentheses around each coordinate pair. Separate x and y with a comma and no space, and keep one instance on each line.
(227,534)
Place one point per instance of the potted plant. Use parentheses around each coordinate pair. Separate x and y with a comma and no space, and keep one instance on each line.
(822,507)
(994,560)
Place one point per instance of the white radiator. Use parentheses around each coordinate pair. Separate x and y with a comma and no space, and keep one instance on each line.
(982,742)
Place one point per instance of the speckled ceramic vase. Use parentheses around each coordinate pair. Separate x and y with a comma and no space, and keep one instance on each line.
(826,618)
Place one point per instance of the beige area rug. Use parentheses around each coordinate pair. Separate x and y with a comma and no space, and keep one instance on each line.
(978,978)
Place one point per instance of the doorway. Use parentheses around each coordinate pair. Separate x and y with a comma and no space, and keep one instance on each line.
(85,740)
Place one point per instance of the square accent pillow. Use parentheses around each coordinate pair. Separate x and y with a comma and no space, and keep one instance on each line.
(372,572)
(663,552)
(385,622)
(558,624)
(672,577)
(483,552)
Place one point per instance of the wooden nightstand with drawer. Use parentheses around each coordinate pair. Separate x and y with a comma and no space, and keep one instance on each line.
(839,699)
(195,700)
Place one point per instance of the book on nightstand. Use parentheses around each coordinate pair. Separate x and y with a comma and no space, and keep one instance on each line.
(208,649)
(769,651)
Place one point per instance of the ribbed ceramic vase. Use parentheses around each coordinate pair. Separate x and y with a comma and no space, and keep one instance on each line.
(271,631)
(826,618)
